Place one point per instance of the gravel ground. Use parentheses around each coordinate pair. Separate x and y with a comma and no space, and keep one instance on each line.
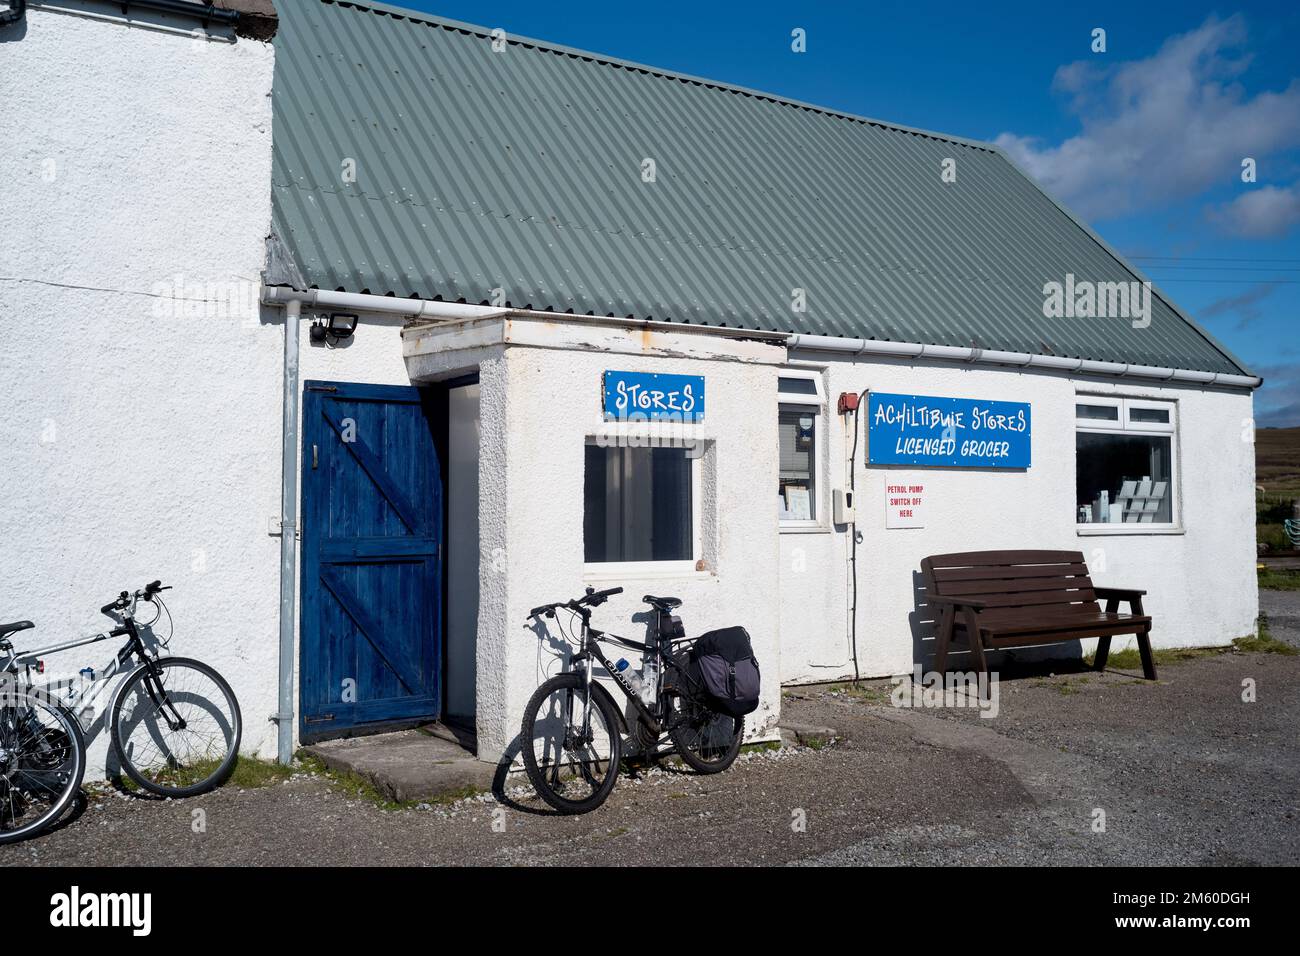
(1185,772)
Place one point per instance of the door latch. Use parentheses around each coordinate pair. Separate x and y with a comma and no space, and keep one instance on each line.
(315,457)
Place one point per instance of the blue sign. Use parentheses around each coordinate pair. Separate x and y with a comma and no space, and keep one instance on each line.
(946,432)
(649,396)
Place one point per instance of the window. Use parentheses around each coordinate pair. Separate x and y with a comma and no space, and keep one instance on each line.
(1124,469)
(798,423)
(638,505)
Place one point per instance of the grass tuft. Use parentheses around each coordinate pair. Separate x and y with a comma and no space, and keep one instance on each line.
(1264,643)
(252,773)
(1273,579)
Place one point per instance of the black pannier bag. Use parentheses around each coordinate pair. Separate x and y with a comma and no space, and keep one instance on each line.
(723,662)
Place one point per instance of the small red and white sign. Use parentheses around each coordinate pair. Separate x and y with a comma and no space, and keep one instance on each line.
(905,504)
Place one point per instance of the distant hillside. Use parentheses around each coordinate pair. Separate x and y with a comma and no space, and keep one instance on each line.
(1277,462)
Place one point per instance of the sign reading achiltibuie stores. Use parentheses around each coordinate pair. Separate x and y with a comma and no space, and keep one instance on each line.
(652,396)
(947,432)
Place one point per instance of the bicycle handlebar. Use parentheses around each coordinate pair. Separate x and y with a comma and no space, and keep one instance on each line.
(123,600)
(592,598)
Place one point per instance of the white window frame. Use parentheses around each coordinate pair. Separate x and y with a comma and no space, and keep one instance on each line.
(597,570)
(816,402)
(1124,425)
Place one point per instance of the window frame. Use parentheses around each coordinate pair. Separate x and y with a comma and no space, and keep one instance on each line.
(595,570)
(817,403)
(1124,425)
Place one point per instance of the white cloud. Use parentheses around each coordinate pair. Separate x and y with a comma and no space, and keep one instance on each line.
(1160,129)
(1263,213)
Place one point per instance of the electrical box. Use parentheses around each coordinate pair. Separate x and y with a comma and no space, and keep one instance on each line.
(842,506)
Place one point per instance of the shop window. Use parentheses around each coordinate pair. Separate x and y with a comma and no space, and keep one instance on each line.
(1124,466)
(639,505)
(799,419)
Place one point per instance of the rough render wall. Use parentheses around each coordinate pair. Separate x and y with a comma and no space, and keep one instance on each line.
(532,509)
(1201,583)
(138,443)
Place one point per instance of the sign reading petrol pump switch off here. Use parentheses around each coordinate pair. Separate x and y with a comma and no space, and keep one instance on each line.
(653,397)
(946,432)
(905,504)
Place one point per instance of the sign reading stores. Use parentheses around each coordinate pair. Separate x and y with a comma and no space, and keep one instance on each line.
(650,396)
(946,432)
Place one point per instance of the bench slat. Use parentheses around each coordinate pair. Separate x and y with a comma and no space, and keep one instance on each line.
(1000,617)
(1061,622)
(1036,598)
(974,559)
(1007,572)
(973,588)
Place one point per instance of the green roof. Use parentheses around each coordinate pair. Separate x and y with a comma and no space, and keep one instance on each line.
(522,170)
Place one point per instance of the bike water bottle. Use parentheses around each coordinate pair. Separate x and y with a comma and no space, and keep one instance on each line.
(633,678)
(651,683)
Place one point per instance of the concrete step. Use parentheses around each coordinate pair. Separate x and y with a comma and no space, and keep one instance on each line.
(409,766)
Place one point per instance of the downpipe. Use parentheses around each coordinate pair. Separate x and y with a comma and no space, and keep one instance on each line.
(288,530)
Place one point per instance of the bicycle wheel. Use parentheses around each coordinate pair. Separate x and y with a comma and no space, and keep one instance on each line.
(176,727)
(572,771)
(42,761)
(707,740)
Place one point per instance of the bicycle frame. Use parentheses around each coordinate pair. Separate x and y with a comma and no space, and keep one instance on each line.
(135,646)
(590,649)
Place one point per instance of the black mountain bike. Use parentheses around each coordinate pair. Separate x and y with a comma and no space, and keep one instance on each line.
(174,722)
(573,731)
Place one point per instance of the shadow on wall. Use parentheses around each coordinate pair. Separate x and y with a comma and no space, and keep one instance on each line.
(13,14)
(94,710)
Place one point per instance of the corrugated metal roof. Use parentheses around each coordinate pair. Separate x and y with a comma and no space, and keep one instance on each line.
(522,170)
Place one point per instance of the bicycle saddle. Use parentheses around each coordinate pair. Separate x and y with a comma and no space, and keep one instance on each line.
(662,603)
(14,628)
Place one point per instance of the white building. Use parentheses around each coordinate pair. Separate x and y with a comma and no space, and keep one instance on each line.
(511,230)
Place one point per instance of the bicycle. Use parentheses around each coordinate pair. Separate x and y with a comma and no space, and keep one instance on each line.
(174,722)
(572,763)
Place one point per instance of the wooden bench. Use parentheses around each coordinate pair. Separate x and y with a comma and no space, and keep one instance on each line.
(1002,599)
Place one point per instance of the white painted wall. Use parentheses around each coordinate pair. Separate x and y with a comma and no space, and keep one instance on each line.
(462,560)
(140,434)
(1201,582)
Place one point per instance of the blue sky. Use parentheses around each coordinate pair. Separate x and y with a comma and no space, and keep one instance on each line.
(1144,141)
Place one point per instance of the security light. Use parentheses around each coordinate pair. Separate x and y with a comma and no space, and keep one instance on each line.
(342,324)
(339,325)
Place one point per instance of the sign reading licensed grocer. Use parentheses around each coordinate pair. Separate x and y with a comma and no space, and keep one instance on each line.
(946,432)
(653,396)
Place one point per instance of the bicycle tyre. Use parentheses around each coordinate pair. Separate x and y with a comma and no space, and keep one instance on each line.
(686,747)
(223,768)
(573,682)
(71,786)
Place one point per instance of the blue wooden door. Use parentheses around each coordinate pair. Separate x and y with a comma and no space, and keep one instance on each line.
(371,565)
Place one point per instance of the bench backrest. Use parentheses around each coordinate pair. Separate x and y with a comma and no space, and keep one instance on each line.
(1016,586)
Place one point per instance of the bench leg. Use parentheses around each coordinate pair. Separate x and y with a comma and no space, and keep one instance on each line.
(976,643)
(1144,649)
(1099,656)
(943,639)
